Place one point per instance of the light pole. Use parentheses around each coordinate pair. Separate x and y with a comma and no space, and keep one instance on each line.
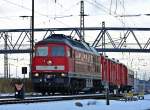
(16,65)
(16,71)
(9,72)
(32,39)
(106,83)
(31,44)
(106,88)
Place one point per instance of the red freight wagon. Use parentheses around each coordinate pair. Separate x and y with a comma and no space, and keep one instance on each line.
(108,69)
(119,74)
(111,72)
(113,67)
(116,74)
(124,75)
(103,67)
(124,78)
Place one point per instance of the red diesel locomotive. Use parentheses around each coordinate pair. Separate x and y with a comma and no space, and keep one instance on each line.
(64,65)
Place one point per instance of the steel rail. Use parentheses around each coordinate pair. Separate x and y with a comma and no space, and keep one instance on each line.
(53,98)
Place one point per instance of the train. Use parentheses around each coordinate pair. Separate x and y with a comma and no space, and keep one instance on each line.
(64,65)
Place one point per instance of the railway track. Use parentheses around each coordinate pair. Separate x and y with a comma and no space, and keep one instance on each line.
(52,98)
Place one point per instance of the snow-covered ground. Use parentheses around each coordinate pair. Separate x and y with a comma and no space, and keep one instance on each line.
(91,104)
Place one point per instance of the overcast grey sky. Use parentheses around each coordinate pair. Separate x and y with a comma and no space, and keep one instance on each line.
(47,10)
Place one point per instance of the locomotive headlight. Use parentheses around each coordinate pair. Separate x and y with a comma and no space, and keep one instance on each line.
(49,62)
(49,76)
(36,74)
(63,75)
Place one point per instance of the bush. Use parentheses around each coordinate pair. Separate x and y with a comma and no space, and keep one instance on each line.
(7,85)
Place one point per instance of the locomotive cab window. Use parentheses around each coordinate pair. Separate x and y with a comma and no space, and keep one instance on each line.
(41,51)
(58,51)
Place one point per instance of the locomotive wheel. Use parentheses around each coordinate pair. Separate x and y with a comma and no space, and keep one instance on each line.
(43,93)
(49,93)
(53,92)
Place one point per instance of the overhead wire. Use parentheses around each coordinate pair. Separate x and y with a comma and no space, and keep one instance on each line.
(55,17)
(72,6)
(96,4)
(116,7)
(91,3)
(103,8)
(21,6)
(62,23)
(110,7)
(29,9)
(63,16)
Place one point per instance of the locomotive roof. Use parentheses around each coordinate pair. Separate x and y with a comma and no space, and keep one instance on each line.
(61,38)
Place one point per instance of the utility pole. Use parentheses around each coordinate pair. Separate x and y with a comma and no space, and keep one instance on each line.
(82,21)
(9,70)
(31,54)
(32,37)
(103,37)
(5,57)
(106,83)
(107,86)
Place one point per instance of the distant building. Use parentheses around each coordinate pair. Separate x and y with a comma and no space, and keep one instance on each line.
(139,85)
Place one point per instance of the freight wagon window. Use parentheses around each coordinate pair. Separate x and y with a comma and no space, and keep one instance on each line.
(58,51)
(42,51)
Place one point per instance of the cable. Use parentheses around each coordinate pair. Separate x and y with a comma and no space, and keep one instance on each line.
(110,7)
(91,3)
(22,7)
(115,12)
(16,4)
(73,6)
(62,23)
(106,10)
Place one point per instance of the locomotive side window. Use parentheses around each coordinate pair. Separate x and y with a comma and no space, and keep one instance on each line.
(58,51)
(69,53)
(42,51)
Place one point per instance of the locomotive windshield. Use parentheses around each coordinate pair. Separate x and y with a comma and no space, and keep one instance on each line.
(58,51)
(41,51)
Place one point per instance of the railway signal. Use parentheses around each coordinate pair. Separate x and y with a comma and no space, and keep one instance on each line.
(24,71)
